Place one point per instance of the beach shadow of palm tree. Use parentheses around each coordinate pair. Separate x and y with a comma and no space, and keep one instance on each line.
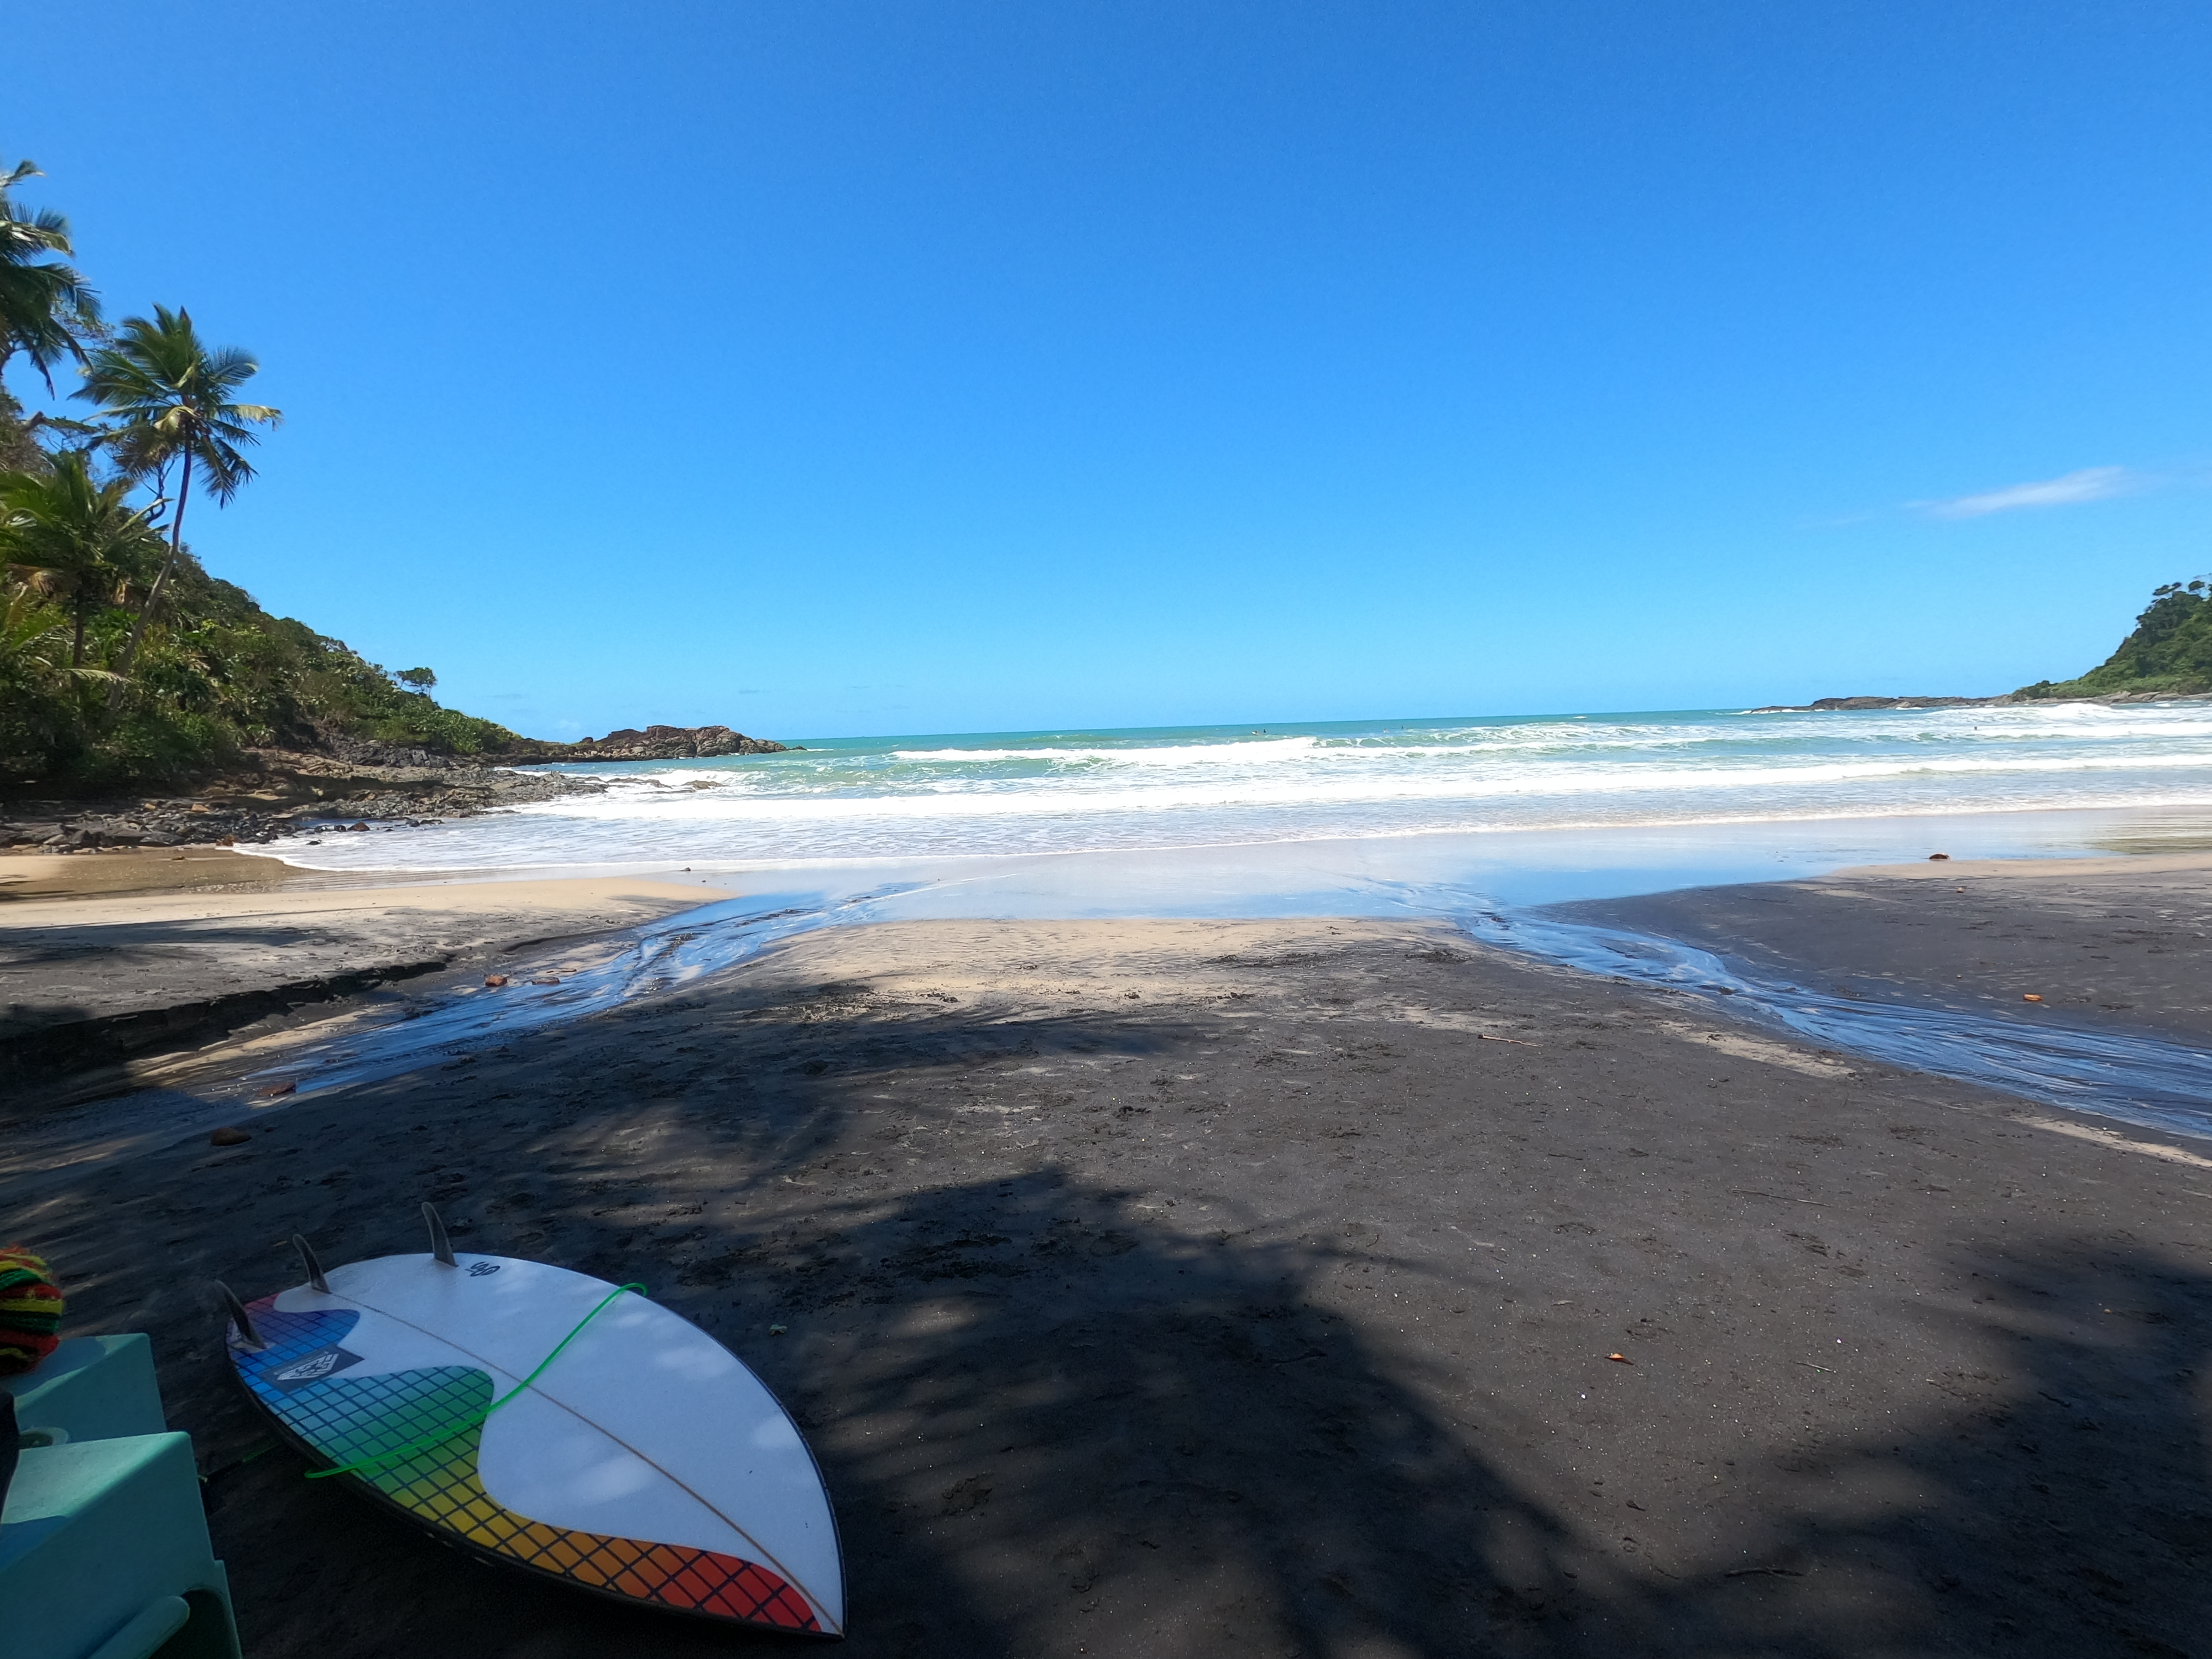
(1068,1418)
(1072,1422)
(2054,1501)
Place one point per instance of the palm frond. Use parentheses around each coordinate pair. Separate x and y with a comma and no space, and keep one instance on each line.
(224,470)
(44,304)
(171,396)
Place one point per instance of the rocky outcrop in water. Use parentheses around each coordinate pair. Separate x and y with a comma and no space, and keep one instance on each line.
(1824,705)
(1828,705)
(674,743)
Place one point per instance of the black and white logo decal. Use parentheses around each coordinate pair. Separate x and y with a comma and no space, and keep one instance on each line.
(313,1368)
(478,1269)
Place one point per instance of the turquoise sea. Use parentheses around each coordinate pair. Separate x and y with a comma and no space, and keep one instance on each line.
(1404,788)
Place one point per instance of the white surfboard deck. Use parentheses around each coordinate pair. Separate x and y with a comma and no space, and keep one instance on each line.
(645,1429)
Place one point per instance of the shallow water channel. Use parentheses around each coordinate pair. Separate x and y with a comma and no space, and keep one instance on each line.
(2137,1078)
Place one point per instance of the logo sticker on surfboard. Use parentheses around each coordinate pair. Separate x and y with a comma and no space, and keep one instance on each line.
(313,1368)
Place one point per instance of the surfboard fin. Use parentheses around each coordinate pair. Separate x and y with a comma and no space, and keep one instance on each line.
(440,1245)
(314,1267)
(240,1317)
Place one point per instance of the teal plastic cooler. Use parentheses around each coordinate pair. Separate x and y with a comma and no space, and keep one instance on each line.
(104,1549)
(91,1387)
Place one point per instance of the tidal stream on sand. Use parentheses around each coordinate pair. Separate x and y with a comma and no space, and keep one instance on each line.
(1494,893)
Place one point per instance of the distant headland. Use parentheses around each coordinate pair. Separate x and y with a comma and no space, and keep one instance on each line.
(2167,658)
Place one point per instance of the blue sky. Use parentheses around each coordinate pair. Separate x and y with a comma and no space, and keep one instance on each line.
(833,368)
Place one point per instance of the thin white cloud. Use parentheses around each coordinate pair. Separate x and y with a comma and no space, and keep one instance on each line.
(2092,483)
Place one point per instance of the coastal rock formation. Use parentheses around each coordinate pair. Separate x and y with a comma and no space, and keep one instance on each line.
(676,743)
(1826,705)
(272,792)
(1823,705)
(284,794)
(355,751)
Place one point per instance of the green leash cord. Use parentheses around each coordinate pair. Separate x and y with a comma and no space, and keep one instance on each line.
(464,1425)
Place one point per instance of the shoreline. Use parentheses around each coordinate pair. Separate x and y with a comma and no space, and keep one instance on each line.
(338,941)
(1496,863)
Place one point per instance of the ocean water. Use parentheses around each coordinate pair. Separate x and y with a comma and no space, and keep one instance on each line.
(999,795)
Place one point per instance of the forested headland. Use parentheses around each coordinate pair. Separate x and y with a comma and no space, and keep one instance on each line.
(2169,654)
(124,663)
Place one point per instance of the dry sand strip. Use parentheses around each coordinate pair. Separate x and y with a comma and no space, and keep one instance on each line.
(1198,1288)
(93,981)
(117,871)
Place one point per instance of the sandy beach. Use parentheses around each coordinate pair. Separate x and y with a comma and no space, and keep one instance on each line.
(1209,1287)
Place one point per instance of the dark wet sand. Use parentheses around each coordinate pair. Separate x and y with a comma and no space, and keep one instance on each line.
(1193,1288)
(2114,943)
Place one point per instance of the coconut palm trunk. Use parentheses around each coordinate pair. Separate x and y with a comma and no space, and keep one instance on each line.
(117,686)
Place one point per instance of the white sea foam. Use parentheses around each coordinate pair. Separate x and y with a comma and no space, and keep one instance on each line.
(983,801)
(1196,754)
(1066,791)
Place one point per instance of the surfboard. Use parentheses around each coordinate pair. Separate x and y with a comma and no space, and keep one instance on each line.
(645,1462)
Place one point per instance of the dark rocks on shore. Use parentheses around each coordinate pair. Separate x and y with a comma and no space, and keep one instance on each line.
(286,802)
(360,753)
(347,783)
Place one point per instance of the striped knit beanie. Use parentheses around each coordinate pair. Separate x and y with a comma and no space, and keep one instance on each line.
(30,1310)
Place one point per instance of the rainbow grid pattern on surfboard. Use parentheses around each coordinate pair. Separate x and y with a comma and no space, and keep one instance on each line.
(347,1419)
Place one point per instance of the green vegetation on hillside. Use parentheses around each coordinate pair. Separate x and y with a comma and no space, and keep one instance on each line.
(216,674)
(123,663)
(2169,651)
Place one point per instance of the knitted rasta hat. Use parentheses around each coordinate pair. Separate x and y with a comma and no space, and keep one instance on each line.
(30,1310)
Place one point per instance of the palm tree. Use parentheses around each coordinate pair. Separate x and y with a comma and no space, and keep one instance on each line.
(31,636)
(170,398)
(76,538)
(44,306)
